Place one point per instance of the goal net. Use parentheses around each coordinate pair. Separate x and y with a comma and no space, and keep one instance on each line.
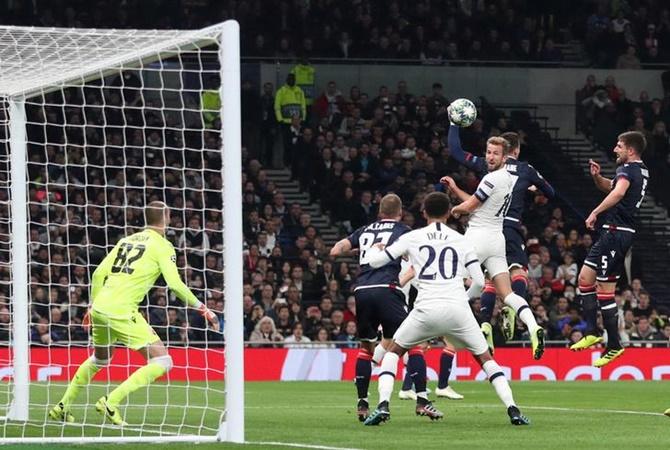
(94,125)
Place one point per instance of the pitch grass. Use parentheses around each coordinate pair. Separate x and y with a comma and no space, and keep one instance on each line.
(580,415)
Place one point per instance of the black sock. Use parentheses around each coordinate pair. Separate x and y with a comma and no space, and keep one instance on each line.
(407,381)
(446,361)
(416,366)
(488,303)
(520,285)
(363,373)
(610,314)
(589,303)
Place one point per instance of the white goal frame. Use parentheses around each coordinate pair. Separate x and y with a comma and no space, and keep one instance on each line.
(16,92)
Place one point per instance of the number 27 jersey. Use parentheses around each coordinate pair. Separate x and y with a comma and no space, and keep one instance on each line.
(385,232)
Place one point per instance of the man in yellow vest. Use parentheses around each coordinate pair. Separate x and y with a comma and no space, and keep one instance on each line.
(304,78)
(210,102)
(290,110)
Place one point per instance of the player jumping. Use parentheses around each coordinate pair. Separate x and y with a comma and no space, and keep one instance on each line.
(118,286)
(604,263)
(525,177)
(445,257)
(379,300)
(489,206)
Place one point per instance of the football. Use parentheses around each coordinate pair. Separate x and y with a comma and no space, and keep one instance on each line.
(462,112)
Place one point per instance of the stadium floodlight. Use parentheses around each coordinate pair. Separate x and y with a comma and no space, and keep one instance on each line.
(94,124)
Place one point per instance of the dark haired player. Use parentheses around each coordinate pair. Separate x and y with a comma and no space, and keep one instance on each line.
(604,263)
(380,301)
(443,258)
(525,177)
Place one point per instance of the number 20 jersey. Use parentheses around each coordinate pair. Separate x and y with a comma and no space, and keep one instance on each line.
(385,232)
(131,269)
(440,256)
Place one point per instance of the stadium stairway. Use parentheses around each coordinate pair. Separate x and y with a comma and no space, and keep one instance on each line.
(293,194)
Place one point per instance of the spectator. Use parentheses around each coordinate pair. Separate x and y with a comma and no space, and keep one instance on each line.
(629,60)
(297,339)
(642,331)
(265,334)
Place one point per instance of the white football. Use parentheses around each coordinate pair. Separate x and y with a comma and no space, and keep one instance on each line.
(462,112)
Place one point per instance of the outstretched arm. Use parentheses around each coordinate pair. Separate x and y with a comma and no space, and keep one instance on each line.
(378,255)
(341,247)
(166,262)
(541,183)
(466,158)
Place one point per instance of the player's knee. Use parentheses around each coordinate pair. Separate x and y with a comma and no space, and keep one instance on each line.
(164,361)
(99,363)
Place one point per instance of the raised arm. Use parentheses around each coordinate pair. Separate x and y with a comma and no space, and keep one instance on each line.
(466,158)
(603,184)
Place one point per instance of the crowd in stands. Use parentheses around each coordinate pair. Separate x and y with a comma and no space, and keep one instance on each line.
(615,34)
(605,109)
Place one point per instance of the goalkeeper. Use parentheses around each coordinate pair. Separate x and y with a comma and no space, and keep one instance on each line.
(118,286)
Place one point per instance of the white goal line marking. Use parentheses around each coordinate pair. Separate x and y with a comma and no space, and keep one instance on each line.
(298,445)
(492,405)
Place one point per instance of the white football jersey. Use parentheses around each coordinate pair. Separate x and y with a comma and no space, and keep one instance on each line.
(495,193)
(440,257)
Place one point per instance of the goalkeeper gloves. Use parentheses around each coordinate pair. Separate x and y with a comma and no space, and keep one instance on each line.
(209,316)
(86,320)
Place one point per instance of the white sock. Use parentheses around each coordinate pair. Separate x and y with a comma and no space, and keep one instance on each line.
(526,315)
(423,395)
(499,383)
(378,354)
(387,373)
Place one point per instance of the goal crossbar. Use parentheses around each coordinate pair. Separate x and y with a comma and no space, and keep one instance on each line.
(20,80)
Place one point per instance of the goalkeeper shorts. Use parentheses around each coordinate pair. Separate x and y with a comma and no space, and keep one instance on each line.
(133,332)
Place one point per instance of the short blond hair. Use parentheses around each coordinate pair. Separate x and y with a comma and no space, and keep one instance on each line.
(501,141)
(155,213)
(390,206)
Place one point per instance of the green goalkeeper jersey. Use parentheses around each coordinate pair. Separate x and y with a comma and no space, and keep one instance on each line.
(130,270)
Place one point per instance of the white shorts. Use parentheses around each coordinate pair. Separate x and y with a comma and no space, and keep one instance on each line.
(450,319)
(490,248)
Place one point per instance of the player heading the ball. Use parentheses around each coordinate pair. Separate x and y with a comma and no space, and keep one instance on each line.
(118,286)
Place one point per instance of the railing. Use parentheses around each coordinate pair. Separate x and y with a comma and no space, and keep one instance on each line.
(349,344)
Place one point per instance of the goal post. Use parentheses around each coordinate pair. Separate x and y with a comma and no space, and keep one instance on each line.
(96,124)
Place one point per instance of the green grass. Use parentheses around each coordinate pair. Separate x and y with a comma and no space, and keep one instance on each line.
(564,415)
